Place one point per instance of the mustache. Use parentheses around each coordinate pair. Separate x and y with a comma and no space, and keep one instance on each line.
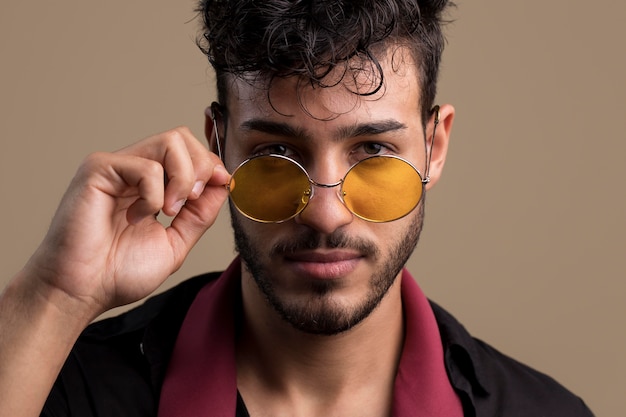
(310,240)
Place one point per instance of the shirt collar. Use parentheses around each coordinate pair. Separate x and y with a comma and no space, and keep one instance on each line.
(201,373)
(422,385)
(463,360)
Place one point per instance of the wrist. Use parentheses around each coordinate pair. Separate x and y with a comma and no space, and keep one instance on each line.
(47,306)
(37,332)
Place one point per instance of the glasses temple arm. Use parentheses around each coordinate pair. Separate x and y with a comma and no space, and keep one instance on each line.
(432,143)
(217,136)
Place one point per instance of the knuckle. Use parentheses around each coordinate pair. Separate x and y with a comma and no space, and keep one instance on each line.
(183,130)
(176,136)
(153,168)
(94,158)
(93,161)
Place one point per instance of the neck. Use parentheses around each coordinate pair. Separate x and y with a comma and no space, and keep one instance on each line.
(278,364)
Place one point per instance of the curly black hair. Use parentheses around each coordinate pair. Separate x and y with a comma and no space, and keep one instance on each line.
(311,38)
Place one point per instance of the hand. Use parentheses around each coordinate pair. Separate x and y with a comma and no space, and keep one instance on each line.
(105,247)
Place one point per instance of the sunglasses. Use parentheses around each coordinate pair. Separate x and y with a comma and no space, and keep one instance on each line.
(274,188)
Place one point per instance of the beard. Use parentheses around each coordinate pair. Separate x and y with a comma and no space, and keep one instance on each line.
(321,314)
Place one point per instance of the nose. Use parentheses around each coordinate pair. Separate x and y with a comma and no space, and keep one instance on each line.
(325,211)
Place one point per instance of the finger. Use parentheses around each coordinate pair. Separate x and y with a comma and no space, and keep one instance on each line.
(220,176)
(196,217)
(134,183)
(217,174)
(187,163)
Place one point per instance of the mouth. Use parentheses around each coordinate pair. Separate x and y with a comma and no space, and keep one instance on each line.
(324,265)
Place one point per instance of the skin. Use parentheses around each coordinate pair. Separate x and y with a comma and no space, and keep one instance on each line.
(288,364)
(109,209)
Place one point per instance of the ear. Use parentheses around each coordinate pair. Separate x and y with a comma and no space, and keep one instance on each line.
(212,118)
(439,144)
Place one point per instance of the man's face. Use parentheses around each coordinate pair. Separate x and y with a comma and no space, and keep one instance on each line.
(326,270)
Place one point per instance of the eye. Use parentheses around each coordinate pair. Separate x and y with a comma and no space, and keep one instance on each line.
(367,149)
(372,148)
(272,149)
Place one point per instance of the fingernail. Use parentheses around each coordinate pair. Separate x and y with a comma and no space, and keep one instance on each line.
(197,188)
(177,207)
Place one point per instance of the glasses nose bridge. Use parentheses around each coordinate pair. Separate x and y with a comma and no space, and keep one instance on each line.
(329,202)
(322,185)
(316,184)
(326,169)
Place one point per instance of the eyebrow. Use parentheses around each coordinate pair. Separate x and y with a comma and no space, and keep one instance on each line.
(351,131)
(274,128)
(370,129)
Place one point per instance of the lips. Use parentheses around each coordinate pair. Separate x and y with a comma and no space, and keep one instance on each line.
(324,265)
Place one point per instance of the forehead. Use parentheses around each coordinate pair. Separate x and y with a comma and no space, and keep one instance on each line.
(347,92)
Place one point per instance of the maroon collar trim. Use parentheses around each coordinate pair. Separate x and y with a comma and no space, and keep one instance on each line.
(202,370)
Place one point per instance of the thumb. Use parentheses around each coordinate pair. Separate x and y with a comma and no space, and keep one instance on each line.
(194,219)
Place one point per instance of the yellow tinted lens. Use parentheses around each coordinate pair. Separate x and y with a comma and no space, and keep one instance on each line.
(269,188)
(382,189)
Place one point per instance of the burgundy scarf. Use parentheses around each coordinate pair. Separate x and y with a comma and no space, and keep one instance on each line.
(202,372)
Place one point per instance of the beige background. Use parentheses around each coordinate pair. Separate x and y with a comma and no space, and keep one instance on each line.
(525,234)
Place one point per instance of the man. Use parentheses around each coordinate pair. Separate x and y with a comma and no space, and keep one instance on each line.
(327,122)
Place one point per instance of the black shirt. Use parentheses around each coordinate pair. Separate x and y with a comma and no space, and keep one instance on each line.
(118,365)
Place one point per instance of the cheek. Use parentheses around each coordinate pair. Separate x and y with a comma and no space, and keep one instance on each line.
(259,237)
(406,228)
(387,238)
